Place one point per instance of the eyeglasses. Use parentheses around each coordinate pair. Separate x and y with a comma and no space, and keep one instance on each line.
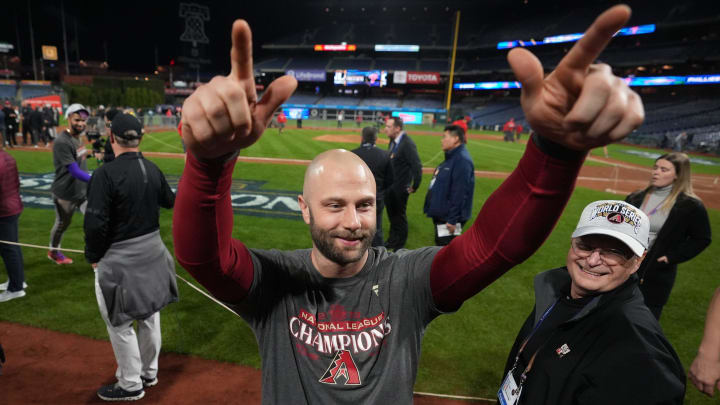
(610,256)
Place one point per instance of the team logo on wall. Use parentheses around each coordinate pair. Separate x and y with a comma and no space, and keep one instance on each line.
(248,196)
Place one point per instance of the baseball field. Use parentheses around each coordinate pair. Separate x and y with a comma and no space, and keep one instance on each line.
(463,354)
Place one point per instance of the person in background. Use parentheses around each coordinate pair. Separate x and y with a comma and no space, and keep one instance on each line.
(449,199)
(108,152)
(26,129)
(509,130)
(358,118)
(705,369)
(123,244)
(590,339)
(378,161)
(12,123)
(37,127)
(407,173)
(281,120)
(679,226)
(71,177)
(462,122)
(518,131)
(10,209)
(340,117)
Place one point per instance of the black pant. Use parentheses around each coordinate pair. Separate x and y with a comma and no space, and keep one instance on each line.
(10,135)
(12,254)
(396,202)
(26,133)
(378,239)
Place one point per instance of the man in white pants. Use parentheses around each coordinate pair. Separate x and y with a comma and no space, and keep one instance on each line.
(134,272)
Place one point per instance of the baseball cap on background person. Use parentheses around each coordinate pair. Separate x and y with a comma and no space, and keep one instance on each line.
(77,108)
(126,126)
(111,113)
(617,219)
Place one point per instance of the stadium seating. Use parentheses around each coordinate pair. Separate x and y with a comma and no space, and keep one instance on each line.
(380,102)
(396,64)
(30,91)
(332,100)
(274,64)
(7,91)
(350,63)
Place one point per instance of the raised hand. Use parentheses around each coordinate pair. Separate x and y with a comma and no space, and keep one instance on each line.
(224,115)
(580,104)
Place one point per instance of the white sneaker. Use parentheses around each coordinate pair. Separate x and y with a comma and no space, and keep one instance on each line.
(4,286)
(7,295)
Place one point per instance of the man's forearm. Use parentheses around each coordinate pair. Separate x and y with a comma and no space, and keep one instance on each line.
(513,223)
(202,229)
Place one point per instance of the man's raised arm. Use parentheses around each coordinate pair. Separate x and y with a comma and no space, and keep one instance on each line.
(579,106)
(219,119)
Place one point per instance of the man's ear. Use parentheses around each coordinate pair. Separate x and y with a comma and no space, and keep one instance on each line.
(638,262)
(304,208)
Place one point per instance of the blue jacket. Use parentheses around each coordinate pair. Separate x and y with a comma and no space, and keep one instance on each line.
(450,195)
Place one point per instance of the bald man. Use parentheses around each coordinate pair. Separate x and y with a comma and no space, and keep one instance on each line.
(342,322)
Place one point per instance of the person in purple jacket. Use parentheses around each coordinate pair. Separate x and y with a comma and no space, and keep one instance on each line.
(10,209)
(69,189)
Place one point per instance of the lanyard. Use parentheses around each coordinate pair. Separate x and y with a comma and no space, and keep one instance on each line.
(523,376)
(654,210)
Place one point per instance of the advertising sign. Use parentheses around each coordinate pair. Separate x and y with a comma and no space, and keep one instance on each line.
(423,78)
(307,75)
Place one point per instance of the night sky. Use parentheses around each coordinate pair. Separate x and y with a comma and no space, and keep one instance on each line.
(128,33)
(133,29)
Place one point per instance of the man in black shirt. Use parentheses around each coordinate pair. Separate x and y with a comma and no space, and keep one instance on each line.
(11,123)
(36,126)
(378,161)
(132,264)
(408,175)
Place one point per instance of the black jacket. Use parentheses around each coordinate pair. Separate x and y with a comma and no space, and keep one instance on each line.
(406,164)
(684,235)
(617,351)
(11,118)
(124,197)
(378,161)
(36,120)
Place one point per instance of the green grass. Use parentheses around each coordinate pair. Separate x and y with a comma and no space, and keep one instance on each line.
(463,353)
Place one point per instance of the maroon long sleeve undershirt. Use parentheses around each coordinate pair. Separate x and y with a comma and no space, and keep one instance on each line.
(512,225)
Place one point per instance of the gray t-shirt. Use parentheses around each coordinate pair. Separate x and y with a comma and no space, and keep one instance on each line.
(66,150)
(350,340)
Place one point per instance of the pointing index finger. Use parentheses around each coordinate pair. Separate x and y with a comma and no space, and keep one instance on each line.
(596,38)
(241,52)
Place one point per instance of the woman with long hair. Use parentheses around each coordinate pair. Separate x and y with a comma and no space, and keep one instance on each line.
(679,226)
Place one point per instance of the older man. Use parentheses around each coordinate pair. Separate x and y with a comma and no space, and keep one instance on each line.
(341,322)
(590,338)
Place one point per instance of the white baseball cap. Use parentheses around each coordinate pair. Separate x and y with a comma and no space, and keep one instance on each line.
(76,108)
(618,219)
